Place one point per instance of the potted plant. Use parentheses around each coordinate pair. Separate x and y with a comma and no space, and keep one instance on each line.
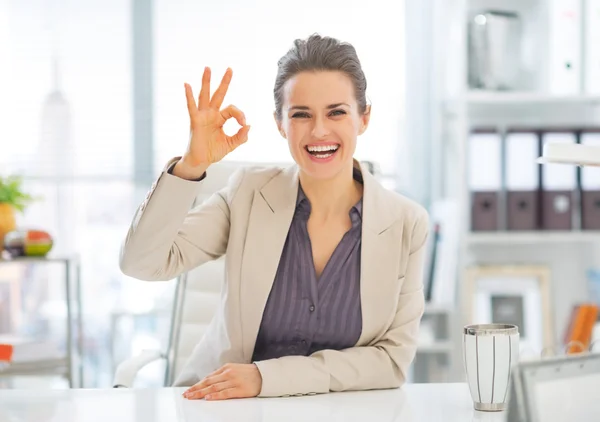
(12,198)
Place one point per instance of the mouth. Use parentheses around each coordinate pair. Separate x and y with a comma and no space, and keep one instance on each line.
(322,152)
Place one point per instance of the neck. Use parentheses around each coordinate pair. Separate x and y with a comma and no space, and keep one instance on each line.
(332,197)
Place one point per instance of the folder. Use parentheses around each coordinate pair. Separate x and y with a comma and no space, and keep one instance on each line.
(590,47)
(565,47)
(522,180)
(559,183)
(485,178)
(590,187)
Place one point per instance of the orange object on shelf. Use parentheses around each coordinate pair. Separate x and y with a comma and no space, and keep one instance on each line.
(581,332)
(6,352)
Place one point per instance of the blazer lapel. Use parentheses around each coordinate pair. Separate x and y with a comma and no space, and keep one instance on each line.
(271,214)
(380,252)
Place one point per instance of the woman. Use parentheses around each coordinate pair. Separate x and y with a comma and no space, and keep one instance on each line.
(323,286)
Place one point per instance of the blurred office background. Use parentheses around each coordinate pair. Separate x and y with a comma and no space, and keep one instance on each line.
(92,107)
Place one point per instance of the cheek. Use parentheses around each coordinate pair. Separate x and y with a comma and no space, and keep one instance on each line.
(296,131)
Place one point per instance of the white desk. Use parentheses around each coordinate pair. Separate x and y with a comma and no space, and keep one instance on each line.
(416,402)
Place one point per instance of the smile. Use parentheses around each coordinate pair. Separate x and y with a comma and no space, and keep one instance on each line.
(322,152)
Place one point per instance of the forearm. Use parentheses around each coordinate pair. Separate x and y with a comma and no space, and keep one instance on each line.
(147,248)
(382,365)
(167,237)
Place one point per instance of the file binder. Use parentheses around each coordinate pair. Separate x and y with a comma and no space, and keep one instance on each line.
(485,178)
(565,47)
(590,187)
(522,180)
(559,184)
(590,47)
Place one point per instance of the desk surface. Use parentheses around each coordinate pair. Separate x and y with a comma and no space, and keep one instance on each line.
(414,402)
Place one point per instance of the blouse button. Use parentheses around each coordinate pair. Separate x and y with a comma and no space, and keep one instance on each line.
(312,308)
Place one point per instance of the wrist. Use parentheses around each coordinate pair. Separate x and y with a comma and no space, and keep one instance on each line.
(186,171)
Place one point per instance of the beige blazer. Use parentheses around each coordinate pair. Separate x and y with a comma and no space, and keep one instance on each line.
(248,221)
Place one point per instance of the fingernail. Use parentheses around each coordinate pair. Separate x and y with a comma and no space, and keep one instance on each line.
(208,396)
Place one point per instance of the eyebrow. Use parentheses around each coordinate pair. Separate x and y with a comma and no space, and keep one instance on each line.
(330,106)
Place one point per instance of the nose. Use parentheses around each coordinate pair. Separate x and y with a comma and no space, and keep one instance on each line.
(320,129)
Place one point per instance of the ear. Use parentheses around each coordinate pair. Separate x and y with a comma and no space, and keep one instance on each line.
(364,120)
(279,127)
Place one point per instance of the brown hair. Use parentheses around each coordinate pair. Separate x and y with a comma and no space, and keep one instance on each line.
(320,53)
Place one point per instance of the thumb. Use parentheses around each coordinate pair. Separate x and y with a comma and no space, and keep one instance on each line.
(240,137)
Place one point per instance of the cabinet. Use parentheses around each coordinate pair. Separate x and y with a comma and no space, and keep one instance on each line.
(41,318)
(538,100)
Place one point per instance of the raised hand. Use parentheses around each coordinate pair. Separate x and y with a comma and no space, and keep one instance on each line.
(208,142)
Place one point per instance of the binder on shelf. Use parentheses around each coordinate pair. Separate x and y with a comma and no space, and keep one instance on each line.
(559,183)
(565,47)
(522,180)
(485,178)
(590,187)
(590,47)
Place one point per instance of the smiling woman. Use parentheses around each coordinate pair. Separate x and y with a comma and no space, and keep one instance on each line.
(323,265)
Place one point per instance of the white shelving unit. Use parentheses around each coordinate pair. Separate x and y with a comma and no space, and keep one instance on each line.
(568,254)
(70,365)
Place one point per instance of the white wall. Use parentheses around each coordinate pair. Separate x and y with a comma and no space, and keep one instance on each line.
(250,36)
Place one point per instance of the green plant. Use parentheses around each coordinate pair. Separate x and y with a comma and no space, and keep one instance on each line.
(11,193)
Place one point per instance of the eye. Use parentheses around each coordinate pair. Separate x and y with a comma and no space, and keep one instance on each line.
(300,115)
(338,112)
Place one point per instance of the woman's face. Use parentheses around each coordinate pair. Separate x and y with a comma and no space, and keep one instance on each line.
(321,122)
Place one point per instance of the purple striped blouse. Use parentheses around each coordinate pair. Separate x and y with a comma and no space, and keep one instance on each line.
(304,314)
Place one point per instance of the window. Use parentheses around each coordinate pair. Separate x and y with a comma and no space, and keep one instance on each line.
(66,127)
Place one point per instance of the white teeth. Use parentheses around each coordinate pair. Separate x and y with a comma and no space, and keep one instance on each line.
(322,148)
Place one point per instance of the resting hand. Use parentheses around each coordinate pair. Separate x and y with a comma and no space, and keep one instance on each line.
(232,381)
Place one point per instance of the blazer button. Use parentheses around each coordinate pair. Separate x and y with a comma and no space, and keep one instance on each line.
(312,308)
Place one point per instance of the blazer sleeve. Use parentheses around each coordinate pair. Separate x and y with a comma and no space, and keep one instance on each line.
(379,366)
(168,237)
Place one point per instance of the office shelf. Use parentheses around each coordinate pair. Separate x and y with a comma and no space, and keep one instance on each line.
(432,309)
(491,98)
(435,347)
(59,366)
(67,364)
(532,237)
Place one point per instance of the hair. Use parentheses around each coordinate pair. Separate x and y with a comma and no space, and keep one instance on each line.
(317,53)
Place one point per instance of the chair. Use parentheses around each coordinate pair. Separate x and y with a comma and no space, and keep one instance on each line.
(197,296)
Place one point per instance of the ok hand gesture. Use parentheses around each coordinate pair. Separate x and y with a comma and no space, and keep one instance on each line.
(208,142)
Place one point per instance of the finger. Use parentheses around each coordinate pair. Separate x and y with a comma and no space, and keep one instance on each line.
(189,96)
(211,389)
(228,393)
(232,111)
(217,376)
(239,138)
(204,97)
(219,95)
